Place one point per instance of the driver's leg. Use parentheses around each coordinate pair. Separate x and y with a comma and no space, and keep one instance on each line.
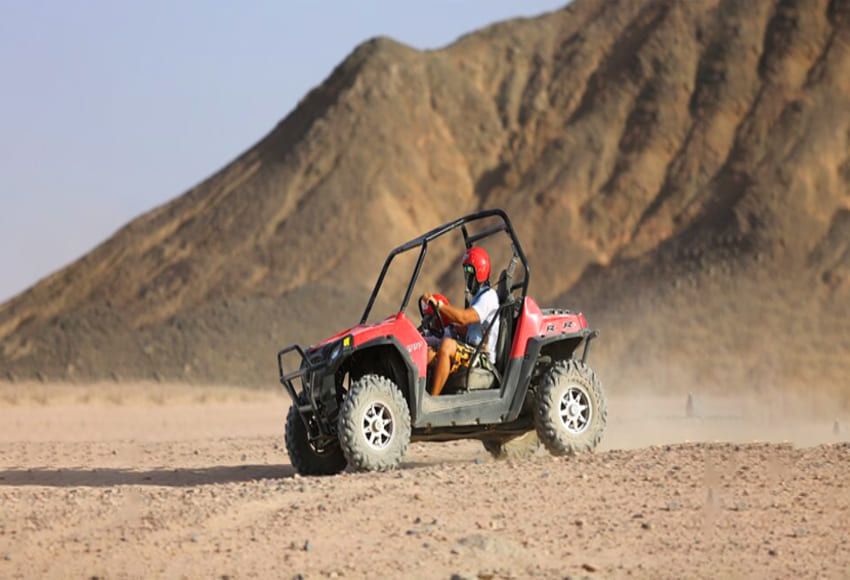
(433,344)
(432,354)
(444,364)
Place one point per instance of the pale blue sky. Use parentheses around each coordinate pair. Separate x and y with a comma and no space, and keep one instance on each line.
(109,108)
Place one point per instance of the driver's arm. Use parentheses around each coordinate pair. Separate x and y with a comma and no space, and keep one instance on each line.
(462,316)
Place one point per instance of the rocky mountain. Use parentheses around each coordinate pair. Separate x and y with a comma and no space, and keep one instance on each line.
(678,170)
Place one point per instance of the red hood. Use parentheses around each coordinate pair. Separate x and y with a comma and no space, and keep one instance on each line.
(363,332)
(397,326)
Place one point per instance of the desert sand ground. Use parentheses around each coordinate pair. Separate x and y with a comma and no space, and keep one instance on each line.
(193,482)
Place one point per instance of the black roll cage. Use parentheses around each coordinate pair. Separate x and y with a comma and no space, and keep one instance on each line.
(422,243)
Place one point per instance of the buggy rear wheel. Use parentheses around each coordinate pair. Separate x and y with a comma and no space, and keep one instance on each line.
(520,447)
(570,413)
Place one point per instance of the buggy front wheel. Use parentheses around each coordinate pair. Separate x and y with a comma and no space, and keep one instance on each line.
(374,424)
(308,458)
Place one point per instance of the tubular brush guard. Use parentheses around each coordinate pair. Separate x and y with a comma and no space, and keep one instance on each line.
(306,369)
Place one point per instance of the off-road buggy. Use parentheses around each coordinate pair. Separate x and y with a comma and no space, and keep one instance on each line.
(364,396)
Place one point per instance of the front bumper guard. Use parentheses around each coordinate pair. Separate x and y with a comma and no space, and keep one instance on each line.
(305,370)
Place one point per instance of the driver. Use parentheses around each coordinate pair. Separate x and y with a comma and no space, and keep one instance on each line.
(469,323)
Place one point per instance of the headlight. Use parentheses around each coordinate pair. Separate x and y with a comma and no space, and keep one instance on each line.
(339,347)
(336,351)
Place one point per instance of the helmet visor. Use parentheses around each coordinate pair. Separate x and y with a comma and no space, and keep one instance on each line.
(469,276)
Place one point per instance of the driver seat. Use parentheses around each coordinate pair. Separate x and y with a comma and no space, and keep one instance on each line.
(485,375)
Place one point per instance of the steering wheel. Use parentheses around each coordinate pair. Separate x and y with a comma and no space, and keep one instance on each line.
(431,321)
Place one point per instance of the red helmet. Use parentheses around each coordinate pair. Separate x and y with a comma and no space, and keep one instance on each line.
(480,261)
(429,308)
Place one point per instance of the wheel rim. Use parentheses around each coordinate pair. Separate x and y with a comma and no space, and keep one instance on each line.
(575,410)
(378,426)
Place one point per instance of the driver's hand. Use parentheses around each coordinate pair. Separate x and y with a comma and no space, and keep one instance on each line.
(429,299)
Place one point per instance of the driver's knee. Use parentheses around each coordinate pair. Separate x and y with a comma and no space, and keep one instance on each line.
(448,347)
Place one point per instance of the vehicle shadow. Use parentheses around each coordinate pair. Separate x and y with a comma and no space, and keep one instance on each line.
(108,477)
(174,477)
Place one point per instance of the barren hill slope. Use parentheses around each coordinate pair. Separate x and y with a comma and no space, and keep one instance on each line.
(673,168)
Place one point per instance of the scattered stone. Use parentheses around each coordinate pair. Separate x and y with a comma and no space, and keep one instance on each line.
(308,546)
(421,529)
(7,557)
(740,506)
(645,525)
(800,532)
(195,538)
(244,457)
(589,567)
(579,523)
(773,552)
(673,506)
(490,544)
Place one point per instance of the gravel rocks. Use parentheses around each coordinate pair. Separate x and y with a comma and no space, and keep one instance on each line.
(638,513)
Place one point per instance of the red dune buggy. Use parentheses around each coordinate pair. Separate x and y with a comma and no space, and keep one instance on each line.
(360,397)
